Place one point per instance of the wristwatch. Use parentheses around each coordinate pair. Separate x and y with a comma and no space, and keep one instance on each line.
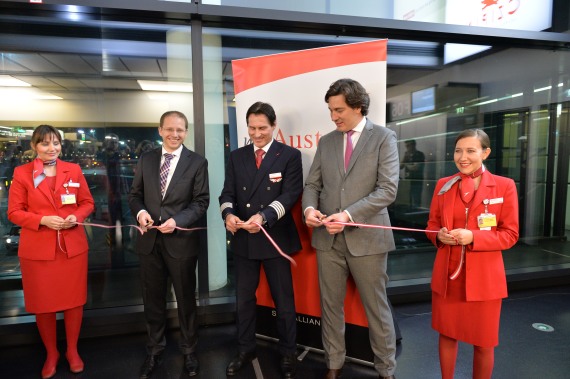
(263,217)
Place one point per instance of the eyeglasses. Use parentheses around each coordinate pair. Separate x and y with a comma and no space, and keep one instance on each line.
(172,130)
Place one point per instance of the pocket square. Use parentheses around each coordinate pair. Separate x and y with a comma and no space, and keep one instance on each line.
(275,177)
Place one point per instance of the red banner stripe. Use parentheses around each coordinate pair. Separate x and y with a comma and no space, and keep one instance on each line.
(252,72)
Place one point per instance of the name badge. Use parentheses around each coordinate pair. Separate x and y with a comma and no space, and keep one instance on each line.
(68,198)
(486,220)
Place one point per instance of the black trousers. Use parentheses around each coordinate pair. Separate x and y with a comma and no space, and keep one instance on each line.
(155,269)
(278,273)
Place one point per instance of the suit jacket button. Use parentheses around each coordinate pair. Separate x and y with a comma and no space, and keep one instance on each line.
(269,188)
(247,205)
(244,188)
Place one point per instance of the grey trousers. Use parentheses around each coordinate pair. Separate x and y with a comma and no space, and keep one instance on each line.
(369,273)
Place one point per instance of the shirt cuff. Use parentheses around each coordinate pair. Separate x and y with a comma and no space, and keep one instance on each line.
(349,216)
(141,211)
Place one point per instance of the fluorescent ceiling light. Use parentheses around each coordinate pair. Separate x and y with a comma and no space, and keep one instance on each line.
(485,102)
(418,118)
(543,89)
(9,94)
(153,85)
(10,81)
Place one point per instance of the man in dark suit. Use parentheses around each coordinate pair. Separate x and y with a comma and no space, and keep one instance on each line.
(263,181)
(353,178)
(170,190)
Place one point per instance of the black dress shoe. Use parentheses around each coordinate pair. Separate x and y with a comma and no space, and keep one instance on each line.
(150,363)
(239,361)
(289,366)
(191,364)
(387,377)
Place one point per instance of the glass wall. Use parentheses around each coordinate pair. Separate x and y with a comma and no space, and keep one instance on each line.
(104,84)
(105,80)
(508,14)
(428,107)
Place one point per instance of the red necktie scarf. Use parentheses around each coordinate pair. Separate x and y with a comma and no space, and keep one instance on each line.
(38,174)
(468,185)
(259,157)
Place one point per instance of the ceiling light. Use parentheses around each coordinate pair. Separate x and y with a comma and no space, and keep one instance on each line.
(543,89)
(152,85)
(10,81)
(15,94)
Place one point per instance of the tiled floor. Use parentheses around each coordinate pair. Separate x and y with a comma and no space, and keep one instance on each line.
(524,352)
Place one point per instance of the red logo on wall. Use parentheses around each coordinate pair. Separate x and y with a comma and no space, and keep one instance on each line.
(495,12)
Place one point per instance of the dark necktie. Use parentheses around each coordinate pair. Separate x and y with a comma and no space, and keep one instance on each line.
(164,171)
(259,157)
(348,150)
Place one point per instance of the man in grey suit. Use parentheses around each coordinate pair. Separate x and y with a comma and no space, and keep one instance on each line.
(169,190)
(357,191)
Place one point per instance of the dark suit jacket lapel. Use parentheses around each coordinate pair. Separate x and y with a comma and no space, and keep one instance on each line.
(152,172)
(247,162)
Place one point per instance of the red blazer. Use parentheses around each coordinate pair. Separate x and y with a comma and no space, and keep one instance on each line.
(484,267)
(27,205)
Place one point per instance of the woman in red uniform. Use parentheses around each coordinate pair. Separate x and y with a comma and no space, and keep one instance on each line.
(476,216)
(47,198)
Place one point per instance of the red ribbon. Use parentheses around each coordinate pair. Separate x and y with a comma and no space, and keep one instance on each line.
(267,234)
(141,230)
(379,226)
(275,245)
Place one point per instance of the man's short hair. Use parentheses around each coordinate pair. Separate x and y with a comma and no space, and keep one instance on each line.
(354,94)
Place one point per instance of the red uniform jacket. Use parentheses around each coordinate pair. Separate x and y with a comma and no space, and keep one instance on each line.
(484,267)
(27,205)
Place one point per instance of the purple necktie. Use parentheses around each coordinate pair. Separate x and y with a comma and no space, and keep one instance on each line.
(348,150)
(164,171)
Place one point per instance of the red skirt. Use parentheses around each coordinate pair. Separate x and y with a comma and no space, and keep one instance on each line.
(52,286)
(473,322)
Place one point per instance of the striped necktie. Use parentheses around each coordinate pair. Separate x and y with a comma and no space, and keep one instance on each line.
(164,171)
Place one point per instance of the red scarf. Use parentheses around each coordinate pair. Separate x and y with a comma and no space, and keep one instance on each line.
(468,185)
(38,174)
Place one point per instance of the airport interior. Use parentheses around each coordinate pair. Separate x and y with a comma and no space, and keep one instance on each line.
(103,72)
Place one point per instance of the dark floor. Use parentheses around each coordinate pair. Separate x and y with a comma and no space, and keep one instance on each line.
(524,352)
